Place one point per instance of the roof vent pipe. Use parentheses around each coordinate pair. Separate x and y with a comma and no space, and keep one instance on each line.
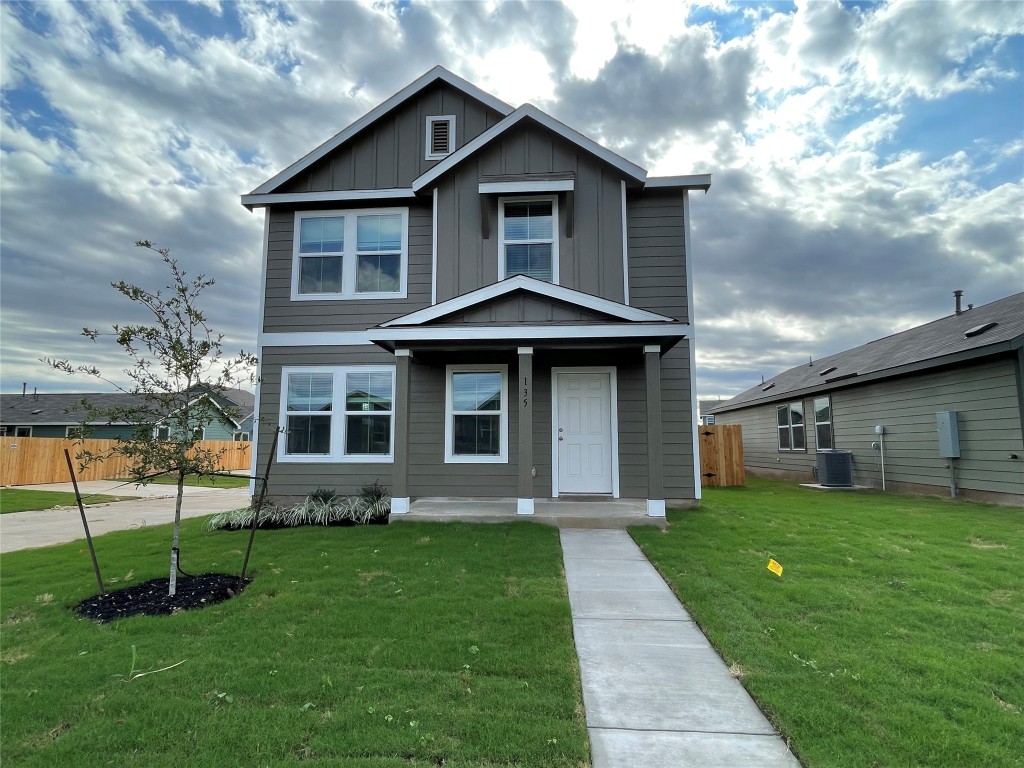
(958,294)
(24,388)
(35,393)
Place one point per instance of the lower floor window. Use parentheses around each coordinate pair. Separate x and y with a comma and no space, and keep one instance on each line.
(791,426)
(338,413)
(476,414)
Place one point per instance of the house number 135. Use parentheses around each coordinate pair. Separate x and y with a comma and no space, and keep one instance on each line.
(526,393)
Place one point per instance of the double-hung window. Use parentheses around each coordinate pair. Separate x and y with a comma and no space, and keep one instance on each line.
(529,237)
(357,254)
(791,426)
(823,424)
(476,414)
(338,414)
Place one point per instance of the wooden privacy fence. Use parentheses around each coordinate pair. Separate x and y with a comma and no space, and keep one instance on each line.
(34,460)
(721,455)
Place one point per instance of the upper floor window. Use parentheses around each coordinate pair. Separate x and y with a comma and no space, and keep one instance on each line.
(823,423)
(440,136)
(357,254)
(791,427)
(529,238)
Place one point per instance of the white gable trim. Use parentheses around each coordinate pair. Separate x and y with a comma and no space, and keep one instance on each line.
(332,196)
(524,332)
(538,287)
(632,170)
(515,187)
(437,73)
(694,181)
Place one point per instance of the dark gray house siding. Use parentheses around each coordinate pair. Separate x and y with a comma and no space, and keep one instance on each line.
(606,209)
(391,152)
(983,393)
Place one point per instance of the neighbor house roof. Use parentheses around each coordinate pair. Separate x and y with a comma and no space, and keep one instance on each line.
(979,332)
(65,408)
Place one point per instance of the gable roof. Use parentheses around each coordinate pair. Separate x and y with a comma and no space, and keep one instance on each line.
(939,342)
(438,73)
(528,285)
(528,111)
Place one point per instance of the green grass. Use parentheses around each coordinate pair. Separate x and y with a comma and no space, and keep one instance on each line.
(20,500)
(895,636)
(411,645)
(207,481)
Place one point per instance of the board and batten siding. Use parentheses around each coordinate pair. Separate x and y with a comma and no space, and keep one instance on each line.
(589,261)
(984,394)
(391,152)
(281,314)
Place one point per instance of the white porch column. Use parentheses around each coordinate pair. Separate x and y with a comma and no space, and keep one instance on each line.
(400,480)
(524,394)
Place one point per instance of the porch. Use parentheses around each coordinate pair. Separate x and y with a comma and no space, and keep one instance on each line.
(560,513)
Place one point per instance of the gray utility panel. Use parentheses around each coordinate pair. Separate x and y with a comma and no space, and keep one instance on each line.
(949,435)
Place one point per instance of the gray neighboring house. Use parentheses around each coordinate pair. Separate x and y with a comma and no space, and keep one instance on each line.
(971,362)
(466,299)
(60,414)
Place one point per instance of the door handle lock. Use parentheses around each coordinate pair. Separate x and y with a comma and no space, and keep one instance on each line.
(560,438)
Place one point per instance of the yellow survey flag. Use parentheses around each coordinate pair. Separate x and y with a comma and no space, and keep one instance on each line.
(774,567)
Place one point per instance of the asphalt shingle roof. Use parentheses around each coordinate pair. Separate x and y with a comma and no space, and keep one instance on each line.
(926,344)
(65,408)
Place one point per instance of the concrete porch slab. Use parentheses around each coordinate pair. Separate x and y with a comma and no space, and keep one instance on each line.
(592,513)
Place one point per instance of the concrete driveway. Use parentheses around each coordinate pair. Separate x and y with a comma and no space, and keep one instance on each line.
(41,528)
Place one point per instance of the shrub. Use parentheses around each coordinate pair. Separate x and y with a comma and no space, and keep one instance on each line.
(321,507)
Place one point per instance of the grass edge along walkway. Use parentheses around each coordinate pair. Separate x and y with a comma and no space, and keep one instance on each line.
(24,500)
(365,647)
(894,635)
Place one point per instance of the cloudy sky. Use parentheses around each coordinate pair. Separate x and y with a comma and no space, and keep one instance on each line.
(867,159)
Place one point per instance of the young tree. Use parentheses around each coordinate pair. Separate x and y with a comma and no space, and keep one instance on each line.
(177,373)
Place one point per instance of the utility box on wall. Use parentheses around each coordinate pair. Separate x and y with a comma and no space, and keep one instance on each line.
(949,435)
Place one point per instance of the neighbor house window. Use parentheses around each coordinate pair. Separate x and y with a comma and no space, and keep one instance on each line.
(476,414)
(791,426)
(240,437)
(823,424)
(360,254)
(162,433)
(199,433)
(23,431)
(440,136)
(528,242)
(338,414)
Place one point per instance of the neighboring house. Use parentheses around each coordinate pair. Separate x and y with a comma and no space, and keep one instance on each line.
(970,363)
(61,415)
(462,299)
(704,408)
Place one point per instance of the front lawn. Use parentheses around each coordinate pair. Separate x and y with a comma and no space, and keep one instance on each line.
(412,645)
(206,481)
(895,636)
(21,500)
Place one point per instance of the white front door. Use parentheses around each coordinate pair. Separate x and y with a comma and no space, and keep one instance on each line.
(584,432)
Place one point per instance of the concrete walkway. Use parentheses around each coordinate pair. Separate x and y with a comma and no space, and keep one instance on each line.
(41,528)
(656,693)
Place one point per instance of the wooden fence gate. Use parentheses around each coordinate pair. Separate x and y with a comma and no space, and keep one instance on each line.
(721,455)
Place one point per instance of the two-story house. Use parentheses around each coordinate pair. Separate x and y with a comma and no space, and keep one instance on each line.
(463,299)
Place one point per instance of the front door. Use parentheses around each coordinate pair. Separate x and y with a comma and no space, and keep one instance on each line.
(584,433)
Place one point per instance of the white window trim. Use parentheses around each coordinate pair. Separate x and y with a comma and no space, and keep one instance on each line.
(23,427)
(338,417)
(156,431)
(69,432)
(553,199)
(201,431)
(431,119)
(449,434)
(613,378)
(349,257)
(817,423)
(3,431)
(789,417)
(244,436)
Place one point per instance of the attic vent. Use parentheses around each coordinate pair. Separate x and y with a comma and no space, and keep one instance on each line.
(766,387)
(979,329)
(827,370)
(37,411)
(840,378)
(440,136)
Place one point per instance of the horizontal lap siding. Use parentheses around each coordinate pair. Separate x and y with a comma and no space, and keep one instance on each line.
(294,479)
(983,394)
(284,315)
(657,256)
(678,422)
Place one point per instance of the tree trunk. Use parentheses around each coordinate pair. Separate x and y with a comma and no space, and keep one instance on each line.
(173,586)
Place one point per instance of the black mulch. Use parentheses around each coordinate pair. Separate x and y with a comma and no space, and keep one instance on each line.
(151,598)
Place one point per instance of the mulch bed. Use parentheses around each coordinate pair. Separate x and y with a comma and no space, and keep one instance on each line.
(151,598)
